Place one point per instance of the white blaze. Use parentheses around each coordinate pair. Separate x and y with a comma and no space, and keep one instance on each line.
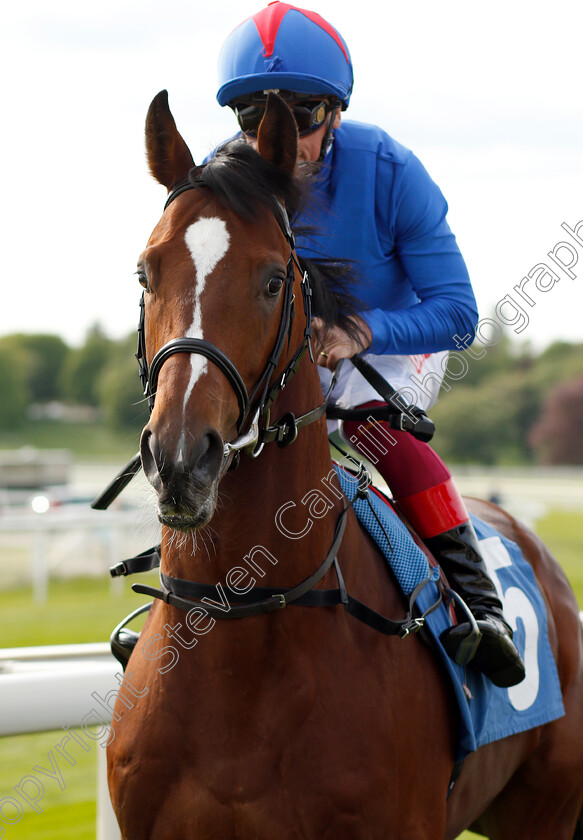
(207,241)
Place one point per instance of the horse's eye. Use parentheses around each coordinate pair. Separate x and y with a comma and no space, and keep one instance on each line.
(273,288)
(142,277)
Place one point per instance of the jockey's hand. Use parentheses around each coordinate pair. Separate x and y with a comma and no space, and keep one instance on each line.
(333,343)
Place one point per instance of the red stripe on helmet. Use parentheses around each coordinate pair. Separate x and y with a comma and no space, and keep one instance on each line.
(269,20)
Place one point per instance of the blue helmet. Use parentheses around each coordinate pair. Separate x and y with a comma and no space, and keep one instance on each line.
(284,48)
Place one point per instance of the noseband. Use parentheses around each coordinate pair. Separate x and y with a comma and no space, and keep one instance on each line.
(202,348)
(149,373)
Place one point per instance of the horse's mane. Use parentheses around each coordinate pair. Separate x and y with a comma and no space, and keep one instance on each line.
(244,181)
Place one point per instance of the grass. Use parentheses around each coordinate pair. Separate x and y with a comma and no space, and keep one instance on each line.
(86,610)
(562,532)
(77,611)
(67,814)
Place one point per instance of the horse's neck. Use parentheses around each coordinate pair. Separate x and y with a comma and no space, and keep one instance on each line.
(277,512)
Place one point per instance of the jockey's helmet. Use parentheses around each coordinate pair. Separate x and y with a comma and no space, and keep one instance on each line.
(287,49)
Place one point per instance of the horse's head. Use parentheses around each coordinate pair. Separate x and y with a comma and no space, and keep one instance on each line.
(219,286)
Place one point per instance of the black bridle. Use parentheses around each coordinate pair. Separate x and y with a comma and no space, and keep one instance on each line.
(264,391)
(260,431)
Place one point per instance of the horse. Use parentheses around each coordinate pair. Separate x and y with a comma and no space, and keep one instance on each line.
(291,721)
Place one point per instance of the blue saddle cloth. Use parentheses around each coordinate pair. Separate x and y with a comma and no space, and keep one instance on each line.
(487,712)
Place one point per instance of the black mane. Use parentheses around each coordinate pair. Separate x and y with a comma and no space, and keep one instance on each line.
(244,181)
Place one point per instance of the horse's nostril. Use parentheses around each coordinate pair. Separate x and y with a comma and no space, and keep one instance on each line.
(175,471)
(207,460)
(148,450)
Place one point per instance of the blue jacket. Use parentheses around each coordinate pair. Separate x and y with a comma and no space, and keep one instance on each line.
(376,205)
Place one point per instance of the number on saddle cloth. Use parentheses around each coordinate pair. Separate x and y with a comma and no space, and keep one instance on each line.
(487,713)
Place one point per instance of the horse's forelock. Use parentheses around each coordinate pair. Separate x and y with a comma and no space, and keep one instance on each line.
(243,181)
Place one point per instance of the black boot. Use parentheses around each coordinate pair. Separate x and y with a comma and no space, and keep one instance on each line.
(458,553)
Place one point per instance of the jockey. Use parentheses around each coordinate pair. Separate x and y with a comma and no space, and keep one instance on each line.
(377,208)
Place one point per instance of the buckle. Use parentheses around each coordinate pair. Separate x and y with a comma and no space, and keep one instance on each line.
(364,481)
(288,431)
(281,599)
(414,625)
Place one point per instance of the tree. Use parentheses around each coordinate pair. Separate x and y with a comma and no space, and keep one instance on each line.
(14,375)
(121,397)
(484,361)
(47,354)
(557,437)
(83,367)
(488,424)
(487,416)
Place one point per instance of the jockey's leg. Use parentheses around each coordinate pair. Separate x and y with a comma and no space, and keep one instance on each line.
(425,491)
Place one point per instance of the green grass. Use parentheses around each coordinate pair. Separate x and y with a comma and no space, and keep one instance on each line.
(86,610)
(562,532)
(77,611)
(67,813)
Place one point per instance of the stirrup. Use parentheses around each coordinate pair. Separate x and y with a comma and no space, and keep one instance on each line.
(487,646)
(469,645)
(122,640)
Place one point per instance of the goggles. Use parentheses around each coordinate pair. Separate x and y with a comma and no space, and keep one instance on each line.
(309,114)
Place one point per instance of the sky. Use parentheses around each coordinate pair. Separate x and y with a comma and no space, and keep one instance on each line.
(487,95)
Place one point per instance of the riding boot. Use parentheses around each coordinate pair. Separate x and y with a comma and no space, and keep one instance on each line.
(458,553)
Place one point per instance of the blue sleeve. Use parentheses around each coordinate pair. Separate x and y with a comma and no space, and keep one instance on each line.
(432,261)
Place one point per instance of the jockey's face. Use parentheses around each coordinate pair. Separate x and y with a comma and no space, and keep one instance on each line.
(310,145)
(309,142)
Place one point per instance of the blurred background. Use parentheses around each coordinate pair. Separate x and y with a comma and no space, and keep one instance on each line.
(487,96)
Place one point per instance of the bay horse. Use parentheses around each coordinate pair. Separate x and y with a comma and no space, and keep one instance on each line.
(296,722)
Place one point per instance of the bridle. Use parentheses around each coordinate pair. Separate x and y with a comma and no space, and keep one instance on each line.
(264,392)
(254,411)
(260,430)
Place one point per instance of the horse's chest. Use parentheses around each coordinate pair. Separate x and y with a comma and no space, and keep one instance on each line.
(303,743)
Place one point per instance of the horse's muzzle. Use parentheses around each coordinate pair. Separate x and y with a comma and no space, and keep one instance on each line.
(185,478)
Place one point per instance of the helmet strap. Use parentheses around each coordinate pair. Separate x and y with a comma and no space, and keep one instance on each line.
(326,142)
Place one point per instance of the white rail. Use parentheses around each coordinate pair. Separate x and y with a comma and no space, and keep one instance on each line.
(80,542)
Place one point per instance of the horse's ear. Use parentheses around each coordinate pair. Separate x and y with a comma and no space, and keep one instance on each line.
(277,138)
(169,157)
